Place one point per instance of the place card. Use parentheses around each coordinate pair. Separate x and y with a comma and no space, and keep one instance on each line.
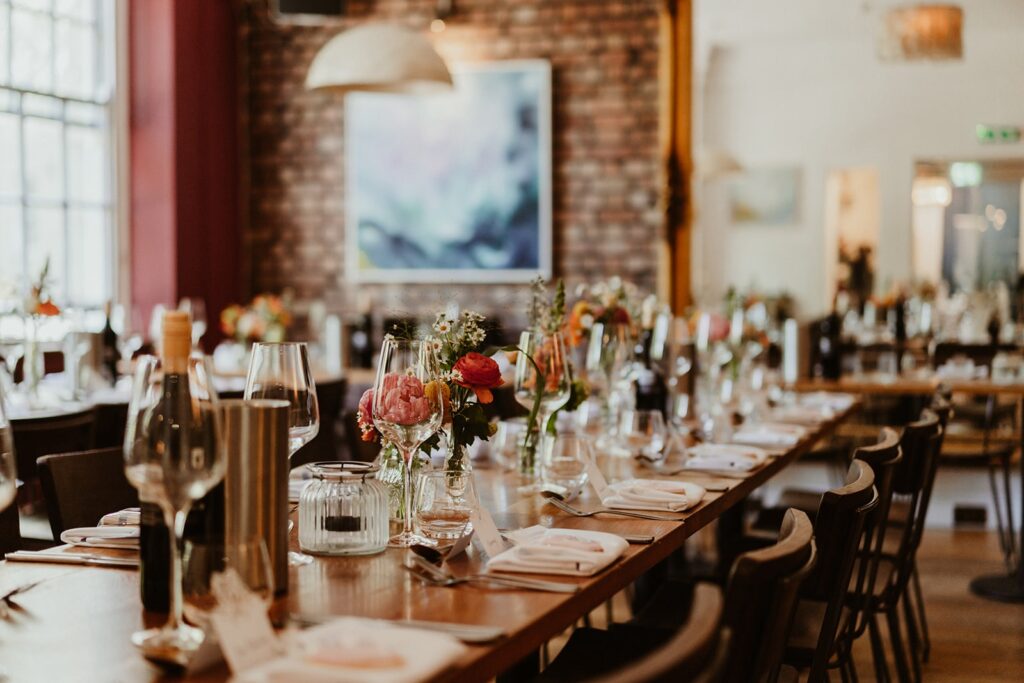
(460,545)
(240,621)
(486,531)
(596,478)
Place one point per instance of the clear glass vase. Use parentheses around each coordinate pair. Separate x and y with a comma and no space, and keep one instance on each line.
(391,472)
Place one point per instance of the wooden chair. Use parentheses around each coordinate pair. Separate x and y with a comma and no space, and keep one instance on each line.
(80,488)
(839,532)
(696,653)
(325,445)
(36,437)
(10,531)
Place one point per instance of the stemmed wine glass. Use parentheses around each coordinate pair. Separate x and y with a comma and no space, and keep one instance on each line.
(173,456)
(281,371)
(196,309)
(549,370)
(407,409)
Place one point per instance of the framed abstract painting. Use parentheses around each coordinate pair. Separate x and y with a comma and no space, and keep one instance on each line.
(452,186)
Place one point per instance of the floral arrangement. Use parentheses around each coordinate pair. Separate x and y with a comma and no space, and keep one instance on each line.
(265,319)
(615,301)
(467,380)
(38,301)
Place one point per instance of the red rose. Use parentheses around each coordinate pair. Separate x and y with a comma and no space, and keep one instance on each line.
(479,373)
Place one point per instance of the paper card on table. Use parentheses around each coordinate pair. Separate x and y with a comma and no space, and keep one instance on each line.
(460,545)
(596,478)
(241,623)
(486,531)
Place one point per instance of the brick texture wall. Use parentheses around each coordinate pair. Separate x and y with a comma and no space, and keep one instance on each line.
(606,170)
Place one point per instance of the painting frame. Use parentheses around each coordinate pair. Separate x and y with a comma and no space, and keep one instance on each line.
(355,270)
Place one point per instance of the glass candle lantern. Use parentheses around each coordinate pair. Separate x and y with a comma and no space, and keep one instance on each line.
(344,510)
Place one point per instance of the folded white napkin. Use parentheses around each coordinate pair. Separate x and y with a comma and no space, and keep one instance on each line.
(571,552)
(118,537)
(802,415)
(653,494)
(829,399)
(126,517)
(351,650)
(714,457)
(769,434)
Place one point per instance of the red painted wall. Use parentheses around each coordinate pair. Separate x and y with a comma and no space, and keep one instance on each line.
(184,152)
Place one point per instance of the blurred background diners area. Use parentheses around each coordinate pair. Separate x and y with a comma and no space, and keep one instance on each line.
(607,341)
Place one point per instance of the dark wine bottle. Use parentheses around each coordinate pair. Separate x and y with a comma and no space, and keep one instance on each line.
(154,558)
(110,352)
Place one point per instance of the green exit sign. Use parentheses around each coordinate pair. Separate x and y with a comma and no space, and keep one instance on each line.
(988,134)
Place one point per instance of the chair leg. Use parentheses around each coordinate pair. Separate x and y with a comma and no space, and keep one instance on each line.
(899,654)
(852,667)
(913,639)
(922,617)
(878,650)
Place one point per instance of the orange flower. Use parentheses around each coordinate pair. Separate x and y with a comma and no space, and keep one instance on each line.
(479,373)
(47,308)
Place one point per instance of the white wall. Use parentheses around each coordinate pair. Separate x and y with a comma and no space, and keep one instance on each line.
(798,82)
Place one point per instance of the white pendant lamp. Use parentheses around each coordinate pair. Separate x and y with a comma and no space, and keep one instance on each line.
(378,58)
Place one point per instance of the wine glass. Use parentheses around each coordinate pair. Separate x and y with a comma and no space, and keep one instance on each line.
(643,433)
(8,475)
(444,503)
(281,371)
(541,367)
(196,309)
(407,409)
(203,561)
(173,456)
(565,462)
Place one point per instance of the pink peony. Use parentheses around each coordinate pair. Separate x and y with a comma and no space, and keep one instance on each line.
(404,400)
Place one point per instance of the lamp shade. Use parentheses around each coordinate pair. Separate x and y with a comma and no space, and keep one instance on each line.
(378,58)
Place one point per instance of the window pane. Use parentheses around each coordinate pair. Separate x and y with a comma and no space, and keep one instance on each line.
(44,159)
(5,20)
(11,254)
(8,100)
(86,169)
(41,105)
(42,5)
(89,114)
(76,59)
(32,50)
(89,242)
(46,240)
(80,9)
(10,168)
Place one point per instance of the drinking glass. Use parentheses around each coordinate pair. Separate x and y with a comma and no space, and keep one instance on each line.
(280,371)
(643,433)
(444,504)
(196,309)
(8,475)
(407,409)
(541,363)
(565,462)
(173,456)
(507,441)
(202,561)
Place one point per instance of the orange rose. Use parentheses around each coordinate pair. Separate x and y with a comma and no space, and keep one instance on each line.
(479,373)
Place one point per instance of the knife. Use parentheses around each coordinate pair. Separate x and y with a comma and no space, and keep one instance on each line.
(467,633)
(73,558)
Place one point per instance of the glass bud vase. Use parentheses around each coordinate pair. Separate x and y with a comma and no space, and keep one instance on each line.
(391,473)
(456,458)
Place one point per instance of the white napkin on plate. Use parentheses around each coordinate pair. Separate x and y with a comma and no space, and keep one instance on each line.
(653,494)
(571,552)
(126,517)
(352,650)
(714,457)
(769,434)
(117,537)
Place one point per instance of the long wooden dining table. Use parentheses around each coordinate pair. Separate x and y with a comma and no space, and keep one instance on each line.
(77,624)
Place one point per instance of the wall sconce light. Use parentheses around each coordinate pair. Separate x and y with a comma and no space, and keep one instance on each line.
(922,32)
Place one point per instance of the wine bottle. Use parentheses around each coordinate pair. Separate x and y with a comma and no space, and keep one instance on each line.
(110,352)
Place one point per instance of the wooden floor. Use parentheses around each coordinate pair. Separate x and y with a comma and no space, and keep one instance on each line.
(973,640)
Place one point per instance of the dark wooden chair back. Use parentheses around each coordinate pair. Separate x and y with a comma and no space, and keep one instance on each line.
(10,531)
(912,471)
(36,437)
(325,445)
(760,598)
(980,354)
(79,488)
(694,653)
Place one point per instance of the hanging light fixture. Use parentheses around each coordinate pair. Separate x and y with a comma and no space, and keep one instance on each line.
(378,58)
(922,32)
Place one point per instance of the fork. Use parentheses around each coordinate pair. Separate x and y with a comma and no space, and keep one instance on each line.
(440,577)
(565,507)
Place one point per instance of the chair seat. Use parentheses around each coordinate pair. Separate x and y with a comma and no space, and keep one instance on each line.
(592,652)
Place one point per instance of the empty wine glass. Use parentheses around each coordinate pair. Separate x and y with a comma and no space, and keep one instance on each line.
(280,371)
(407,409)
(173,456)
(643,433)
(565,462)
(507,441)
(196,309)
(542,376)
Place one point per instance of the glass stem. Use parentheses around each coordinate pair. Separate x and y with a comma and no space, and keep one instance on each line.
(407,493)
(175,520)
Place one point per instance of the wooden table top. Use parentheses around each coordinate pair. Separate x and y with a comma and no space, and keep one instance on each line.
(906,386)
(80,620)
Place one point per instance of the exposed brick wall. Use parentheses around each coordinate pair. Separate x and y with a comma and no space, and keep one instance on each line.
(606,171)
